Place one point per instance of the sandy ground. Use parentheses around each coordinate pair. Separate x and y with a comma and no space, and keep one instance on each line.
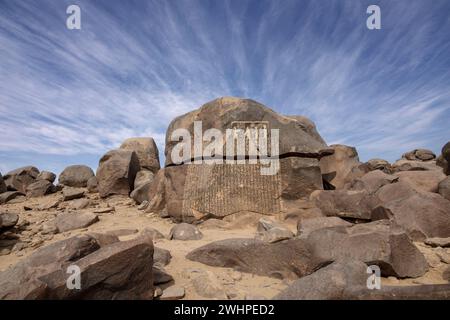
(127,216)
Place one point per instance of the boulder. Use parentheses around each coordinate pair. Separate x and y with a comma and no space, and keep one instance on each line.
(19,179)
(91,185)
(444,188)
(141,188)
(79,204)
(419,155)
(423,215)
(75,176)
(372,181)
(395,191)
(7,196)
(270,231)
(289,259)
(116,172)
(70,193)
(422,180)
(8,220)
(355,204)
(146,151)
(185,231)
(152,233)
(39,188)
(336,168)
(46,175)
(379,164)
(306,226)
(438,242)
(172,293)
(378,243)
(2,184)
(200,191)
(143,177)
(445,158)
(43,275)
(160,276)
(329,283)
(70,221)
(161,257)
(207,285)
(414,165)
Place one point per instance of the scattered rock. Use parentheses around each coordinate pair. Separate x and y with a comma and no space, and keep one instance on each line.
(7,196)
(207,285)
(46,175)
(76,176)
(142,177)
(19,179)
(185,231)
(105,210)
(79,204)
(161,257)
(270,231)
(51,204)
(160,276)
(8,220)
(423,215)
(39,188)
(49,228)
(422,180)
(373,180)
(146,151)
(141,193)
(414,165)
(288,259)
(380,242)
(172,293)
(379,164)
(70,221)
(122,232)
(70,193)
(116,172)
(438,242)
(306,226)
(329,283)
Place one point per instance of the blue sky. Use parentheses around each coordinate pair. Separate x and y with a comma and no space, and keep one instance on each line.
(68,96)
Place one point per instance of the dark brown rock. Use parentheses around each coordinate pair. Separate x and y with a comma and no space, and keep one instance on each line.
(376,243)
(39,188)
(7,196)
(70,193)
(328,283)
(288,259)
(91,185)
(422,215)
(116,172)
(70,221)
(2,184)
(19,179)
(46,175)
(76,176)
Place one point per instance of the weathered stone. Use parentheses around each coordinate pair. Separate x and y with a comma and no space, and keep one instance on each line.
(306,226)
(157,192)
(185,231)
(172,293)
(372,181)
(416,292)
(422,215)
(345,203)
(105,210)
(438,242)
(161,257)
(444,188)
(8,220)
(79,204)
(414,165)
(298,178)
(140,194)
(395,191)
(160,276)
(152,232)
(7,196)
(91,185)
(328,283)
(270,231)
(50,204)
(122,232)
(70,221)
(336,167)
(419,154)
(116,172)
(146,151)
(143,177)
(76,176)
(39,188)
(19,179)
(422,180)
(379,164)
(288,259)
(46,175)
(380,243)
(70,193)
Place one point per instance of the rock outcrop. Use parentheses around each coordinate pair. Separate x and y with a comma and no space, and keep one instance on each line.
(19,179)
(146,151)
(76,176)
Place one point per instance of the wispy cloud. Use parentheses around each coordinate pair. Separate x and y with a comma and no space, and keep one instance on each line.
(136,65)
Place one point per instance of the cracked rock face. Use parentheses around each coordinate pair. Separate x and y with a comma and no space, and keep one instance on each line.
(200,191)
